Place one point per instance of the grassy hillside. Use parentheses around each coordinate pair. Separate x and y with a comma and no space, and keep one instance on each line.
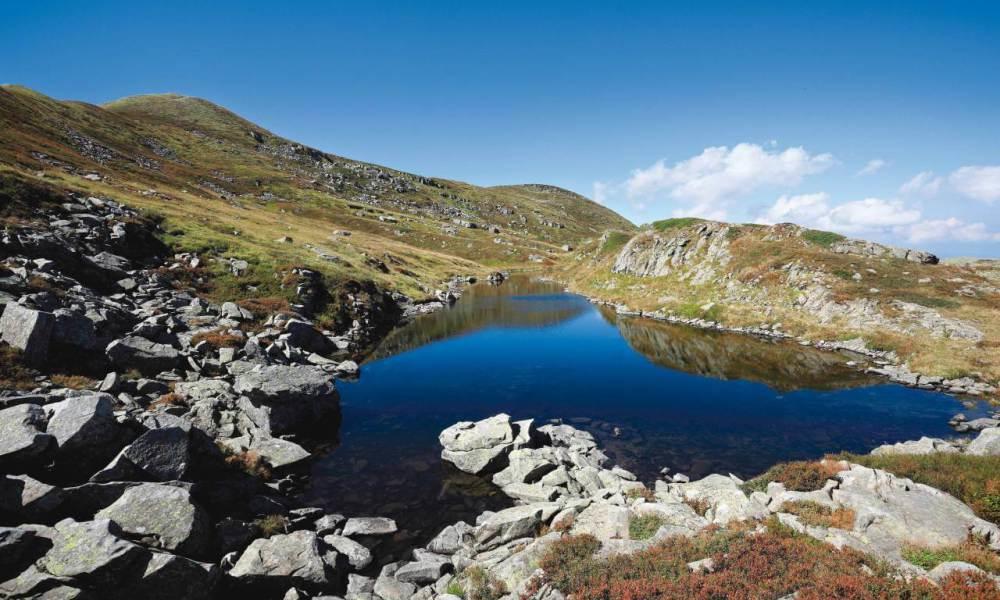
(227,187)
(944,319)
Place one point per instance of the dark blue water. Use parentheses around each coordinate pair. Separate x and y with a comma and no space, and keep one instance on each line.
(692,401)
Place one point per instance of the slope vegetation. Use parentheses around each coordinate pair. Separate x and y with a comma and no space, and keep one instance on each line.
(226,187)
(940,318)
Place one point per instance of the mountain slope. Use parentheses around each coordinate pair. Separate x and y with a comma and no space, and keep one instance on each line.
(229,188)
(942,318)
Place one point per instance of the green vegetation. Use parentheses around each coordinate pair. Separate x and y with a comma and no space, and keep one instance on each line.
(971,552)
(614,242)
(974,480)
(822,238)
(455,589)
(677,223)
(928,301)
(643,527)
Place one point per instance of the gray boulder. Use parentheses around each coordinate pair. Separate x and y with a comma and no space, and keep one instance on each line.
(75,330)
(987,443)
(163,454)
(85,427)
(508,524)
(28,330)
(149,358)
(369,526)
(388,587)
(424,571)
(479,447)
(924,445)
(286,399)
(22,435)
(171,577)
(294,559)
(162,516)
(92,552)
(357,555)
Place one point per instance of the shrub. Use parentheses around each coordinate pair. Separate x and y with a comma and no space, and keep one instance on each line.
(698,505)
(974,480)
(820,515)
(822,238)
(480,585)
(249,462)
(272,525)
(798,476)
(13,373)
(643,527)
(748,565)
(643,492)
(265,307)
(169,399)
(455,589)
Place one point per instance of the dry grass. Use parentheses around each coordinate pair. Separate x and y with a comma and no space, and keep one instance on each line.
(272,525)
(645,493)
(13,373)
(819,515)
(798,476)
(265,307)
(218,338)
(73,382)
(167,400)
(249,462)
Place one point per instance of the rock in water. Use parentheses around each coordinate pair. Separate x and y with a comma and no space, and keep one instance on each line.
(27,330)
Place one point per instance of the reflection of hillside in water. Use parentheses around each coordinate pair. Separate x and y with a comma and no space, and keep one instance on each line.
(517,302)
(779,365)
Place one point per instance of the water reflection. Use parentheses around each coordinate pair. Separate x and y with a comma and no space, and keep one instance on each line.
(520,301)
(783,366)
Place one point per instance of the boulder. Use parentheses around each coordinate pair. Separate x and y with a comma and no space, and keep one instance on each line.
(306,337)
(603,521)
(452,538)
(369,526)
(171,577)
(987,443)
(149,358)
(85,428)
(287,399)
(357,555)
(162,516)
(508,524)
(28,330)
(74,330)
(479,447)
(22,436)
(92,552)
(424,571)
(388,587)
(726,500)
(164,454)
(19,547)
(892,511)
(280,561)
(24,499)
(924,445)
(943,570)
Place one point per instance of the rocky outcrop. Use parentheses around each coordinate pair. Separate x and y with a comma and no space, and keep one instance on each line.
(865,248)
(696,255)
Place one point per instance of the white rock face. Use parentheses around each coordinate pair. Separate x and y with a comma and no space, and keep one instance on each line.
(987,443)
(924,445)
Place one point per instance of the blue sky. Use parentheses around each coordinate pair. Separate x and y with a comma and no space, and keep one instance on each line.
(744,111)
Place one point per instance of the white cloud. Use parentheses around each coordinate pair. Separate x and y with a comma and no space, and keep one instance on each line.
(803,208)
(948,229)
(922,184)
(978,182)
(601,191)
(868,215)
(874,166)
(708,180)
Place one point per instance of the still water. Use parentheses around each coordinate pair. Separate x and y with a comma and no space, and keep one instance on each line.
(655,395)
